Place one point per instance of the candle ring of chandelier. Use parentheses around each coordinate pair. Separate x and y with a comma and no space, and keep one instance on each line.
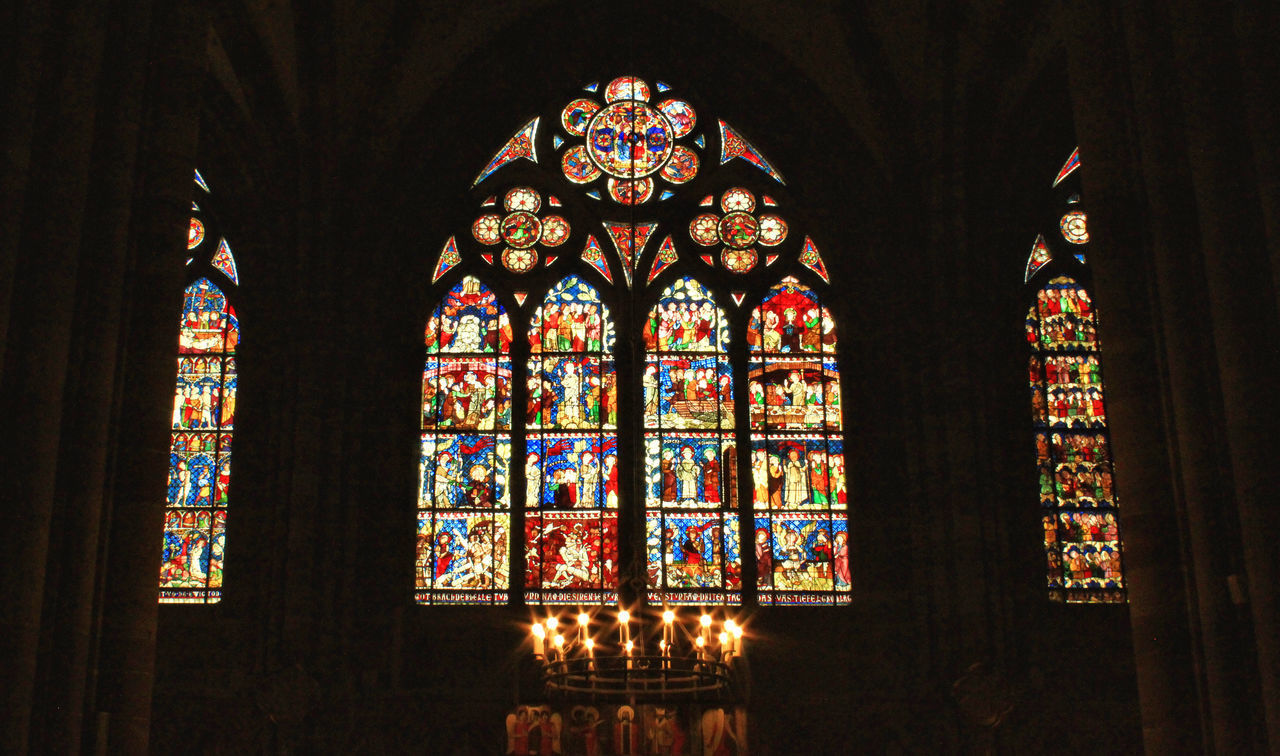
(580,656)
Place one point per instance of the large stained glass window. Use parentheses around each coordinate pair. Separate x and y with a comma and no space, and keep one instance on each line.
(204,408)
(571,450)
(662,206)
(1073,458)
(464,494)
(799,493)
(691,492)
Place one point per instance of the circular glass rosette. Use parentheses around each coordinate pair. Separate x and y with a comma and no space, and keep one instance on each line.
(1074,227)
(521,230)
(738,199)
(682,166)
(739,230)
(522,198)
(195,233)
(577,167)
(773,230)
(519,260)
(631,192)
(681,115)
(554,230)
(704,229)
(626,88)
(739,260)
(577,114)
(487,229)
(630,139)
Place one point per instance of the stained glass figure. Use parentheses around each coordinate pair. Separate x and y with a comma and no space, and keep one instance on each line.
(1074,228)
(1068,167)
(664,259)
(690,452)
(629,240)
(464,496)
(797,452)
(449,259)
(812,259)
(571,456)
(592,255)
(733,145)
(225,262)
(1038,258)
(200,448)
(520,145)
(1073,458)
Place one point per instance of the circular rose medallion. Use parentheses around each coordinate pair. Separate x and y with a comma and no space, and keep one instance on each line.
(631,192)
(772,230)
(554,230)
(681,115)
(577,167)
(738,199)
(521,230)
(739,230)
(519,260)
(195,234)
(487,229)
(577,114)
(1074,228)
(629,140)
(739,260)
(703,229)
(682,166)
(626,88)
(522,198)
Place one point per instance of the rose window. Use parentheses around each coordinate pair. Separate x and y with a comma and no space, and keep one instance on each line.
(739,230)
(628,140)
(520,229)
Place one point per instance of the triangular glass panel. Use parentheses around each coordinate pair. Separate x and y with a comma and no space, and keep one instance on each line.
(592,255)
(594,194)
(629,239)
(200,182)
(707,201)
(709,260)
(769,201)
(449,259)
(663,260)
(593,86)
(487,257)
(701,141)
(189,259)
(520,145)
(666,194)
(1038,258)
(1080,257)
(490,201)
(520,297)
(553,200)
(550,259)
(1073,199)
(556,141)
(810,258)
(662,86)
(738,296)
(225,262)
(195,208)
(770,260)
(1068,167)
(733,145)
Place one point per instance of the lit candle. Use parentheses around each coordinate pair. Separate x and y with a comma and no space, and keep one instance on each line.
(725,650)
(702,644)
(624,628)
(583,620)
(628,645)
(705,621)
(732,628)
(737,639)
(539,636)
(558,642)
(591,651)
(668,634)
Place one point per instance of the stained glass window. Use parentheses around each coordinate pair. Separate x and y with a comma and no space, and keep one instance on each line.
(203,421)
(464,496)
(799,491)
(634,162)
(691,491)
(1073,458)
(571,450)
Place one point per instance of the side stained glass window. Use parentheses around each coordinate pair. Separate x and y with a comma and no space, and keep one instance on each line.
(464,496)
(571,450)
(691,491)
(203,421)
(1073,457)
(799,493)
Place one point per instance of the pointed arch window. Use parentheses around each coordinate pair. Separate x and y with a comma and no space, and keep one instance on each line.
(464,497)
(1073,457)
(203,421)
(631,442)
